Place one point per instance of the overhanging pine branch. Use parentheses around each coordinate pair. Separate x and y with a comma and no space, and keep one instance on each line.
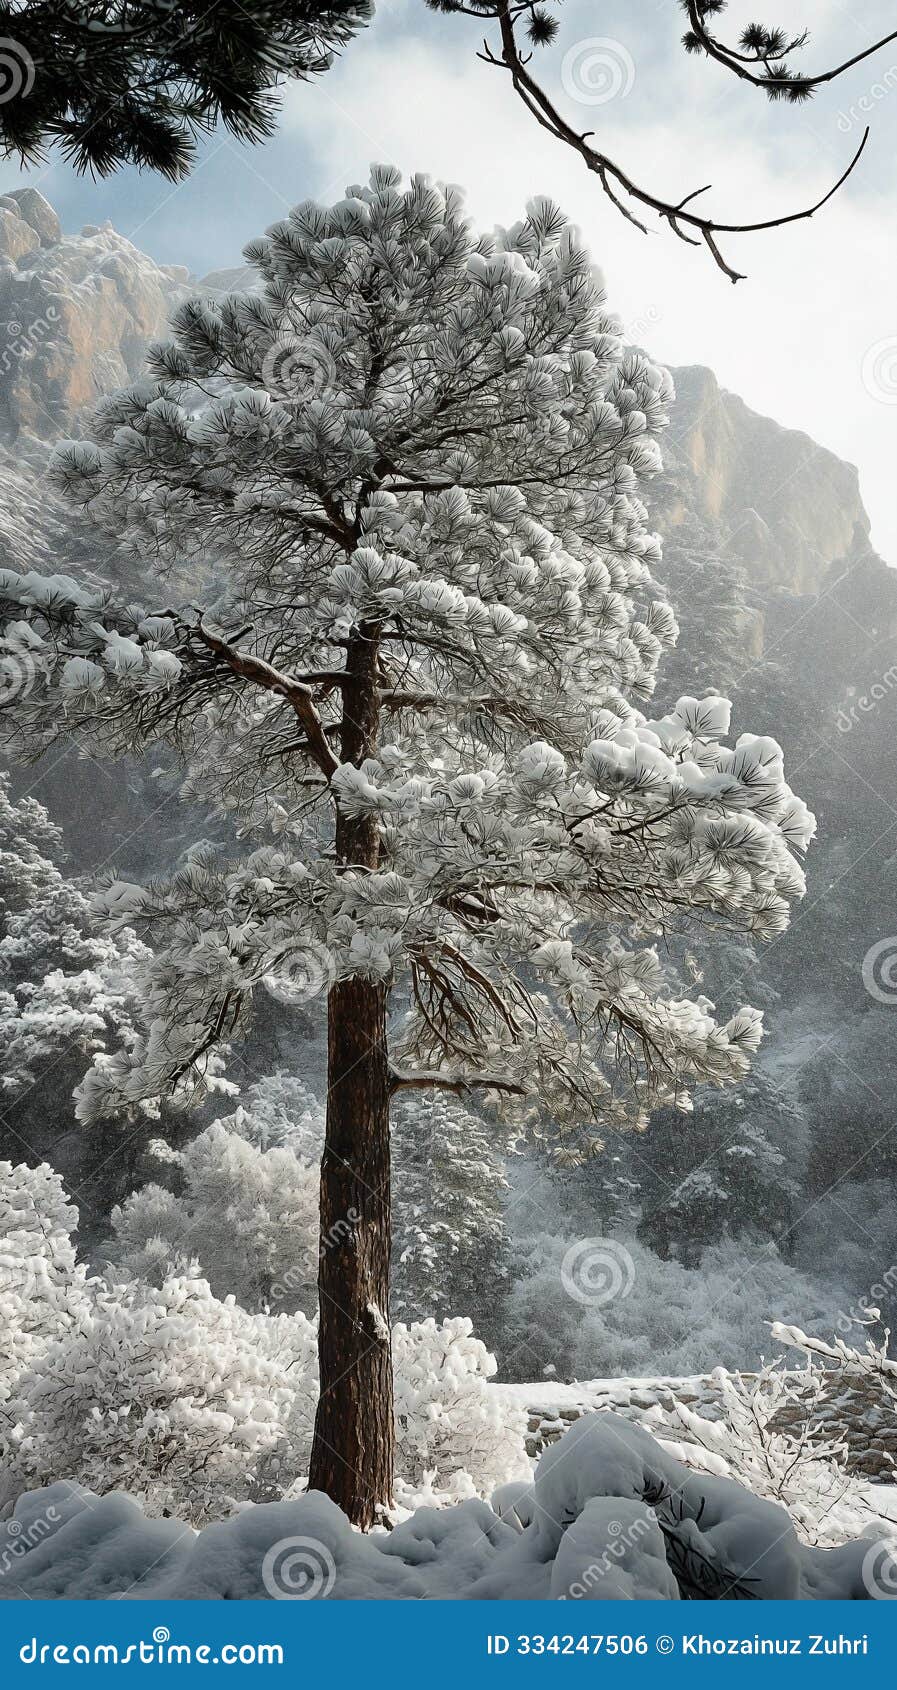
(619,187)
(768,70)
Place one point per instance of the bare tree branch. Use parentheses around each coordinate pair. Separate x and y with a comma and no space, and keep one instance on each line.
(617,185)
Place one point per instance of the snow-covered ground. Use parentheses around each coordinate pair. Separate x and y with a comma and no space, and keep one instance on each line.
(611,1514)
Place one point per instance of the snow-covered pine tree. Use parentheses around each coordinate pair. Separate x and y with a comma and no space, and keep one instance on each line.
(408,468)
(65,992)
(448,1211)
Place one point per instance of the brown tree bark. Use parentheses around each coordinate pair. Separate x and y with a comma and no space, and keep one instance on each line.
(354,1439)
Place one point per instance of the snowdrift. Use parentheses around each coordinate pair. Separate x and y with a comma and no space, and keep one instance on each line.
(609,1515)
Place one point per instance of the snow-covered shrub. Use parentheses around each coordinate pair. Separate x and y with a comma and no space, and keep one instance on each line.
(665,1319)
(857,1399)
(42,1290)
(448,1419)
(194,1405)
(248,1215)
(167,1393)
(769,1437)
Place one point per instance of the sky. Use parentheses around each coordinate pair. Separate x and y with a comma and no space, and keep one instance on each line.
(810,337)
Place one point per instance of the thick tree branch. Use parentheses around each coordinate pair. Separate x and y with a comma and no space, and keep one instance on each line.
(425,1079)
(297,693)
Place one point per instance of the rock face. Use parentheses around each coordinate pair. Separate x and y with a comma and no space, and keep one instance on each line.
(784,506)
(76,315)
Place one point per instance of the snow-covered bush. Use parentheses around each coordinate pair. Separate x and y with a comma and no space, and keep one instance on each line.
(857,1398)
(663,1318)
(168,1393)
(248,1215)
(193,1406)
(42,1290)
(447,1417)
(190,1402)
(769,1437)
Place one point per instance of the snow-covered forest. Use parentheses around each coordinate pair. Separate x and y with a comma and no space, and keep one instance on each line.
(446,880)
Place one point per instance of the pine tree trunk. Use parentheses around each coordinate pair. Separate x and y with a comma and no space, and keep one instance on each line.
(354,1439)
(352,1455)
